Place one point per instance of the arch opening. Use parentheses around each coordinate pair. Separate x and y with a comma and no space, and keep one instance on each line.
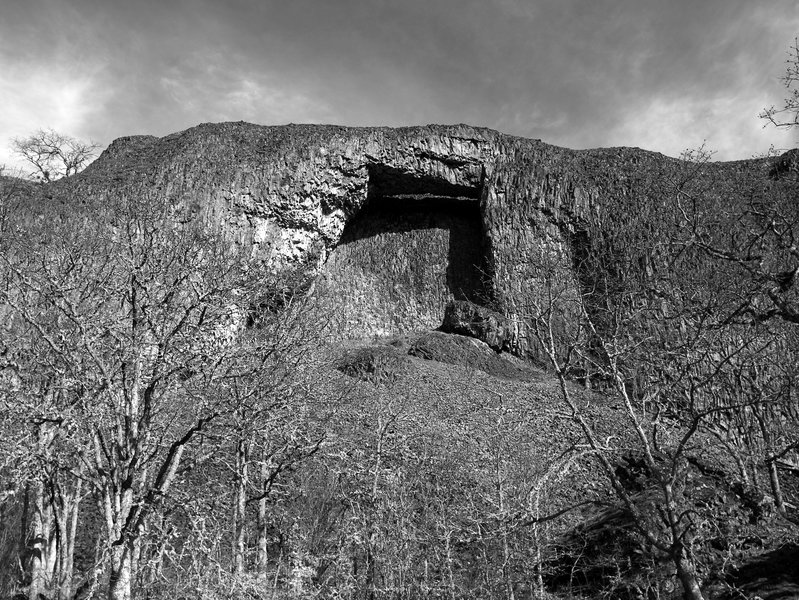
(416,244)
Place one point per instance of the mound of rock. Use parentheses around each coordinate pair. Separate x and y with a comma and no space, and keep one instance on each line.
(469,352)
(377,364)
(472,320)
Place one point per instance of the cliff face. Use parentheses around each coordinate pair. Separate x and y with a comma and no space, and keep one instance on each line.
(396,222)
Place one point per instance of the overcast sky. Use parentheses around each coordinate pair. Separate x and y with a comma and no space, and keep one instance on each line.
(660,74)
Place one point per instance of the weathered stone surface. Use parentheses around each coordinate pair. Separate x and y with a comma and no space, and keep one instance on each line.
(466,318)
(395,270)
(399,222)
(376,364)
(471,353)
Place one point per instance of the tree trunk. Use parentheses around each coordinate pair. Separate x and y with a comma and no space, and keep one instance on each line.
(506,553)
(72,507)
(119,586)
(539,561)
(37,544)
(776,489)
(263,556)
(771,464)
(370,564)
(239,509)
(686,571)
(448,548)
(754,464)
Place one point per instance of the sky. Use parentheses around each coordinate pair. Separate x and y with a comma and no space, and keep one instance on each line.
(665,75)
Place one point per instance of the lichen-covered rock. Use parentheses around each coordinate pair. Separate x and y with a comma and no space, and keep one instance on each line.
(484,324)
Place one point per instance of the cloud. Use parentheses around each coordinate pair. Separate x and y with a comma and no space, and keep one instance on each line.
(726,125)
(716,95)
(224,96)
(661,75)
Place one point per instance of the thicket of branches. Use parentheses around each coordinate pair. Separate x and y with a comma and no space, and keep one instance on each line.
(686,311)
(126,366)
(668,316)
(170,428)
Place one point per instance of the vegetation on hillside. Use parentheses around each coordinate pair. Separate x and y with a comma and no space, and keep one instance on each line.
(174,422)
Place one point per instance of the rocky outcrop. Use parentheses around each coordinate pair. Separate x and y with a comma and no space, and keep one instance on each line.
(376,364)
(468,352)
(397,223)
(466,318)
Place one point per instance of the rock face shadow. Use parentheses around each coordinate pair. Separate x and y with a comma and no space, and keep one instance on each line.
(416,244)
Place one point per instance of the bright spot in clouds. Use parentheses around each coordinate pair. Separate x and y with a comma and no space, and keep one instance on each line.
(35,97)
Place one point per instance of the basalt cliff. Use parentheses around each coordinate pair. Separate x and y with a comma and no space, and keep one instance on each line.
(395,223)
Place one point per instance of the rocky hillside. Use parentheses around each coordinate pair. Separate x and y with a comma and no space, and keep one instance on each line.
(624,423)
(397,222)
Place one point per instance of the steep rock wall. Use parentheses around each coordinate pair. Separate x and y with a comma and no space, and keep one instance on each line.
(398,221)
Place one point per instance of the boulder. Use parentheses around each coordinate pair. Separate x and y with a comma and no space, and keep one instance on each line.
(376,364)
(472,320)
(468,352)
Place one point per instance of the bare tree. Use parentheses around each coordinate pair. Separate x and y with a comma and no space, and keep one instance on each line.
(752,239)
(787,116)
(751,242)
(54,155)
(673,536)
(649,313)
(127,332)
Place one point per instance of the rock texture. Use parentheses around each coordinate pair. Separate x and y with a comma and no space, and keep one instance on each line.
(399,222)
(466,318)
